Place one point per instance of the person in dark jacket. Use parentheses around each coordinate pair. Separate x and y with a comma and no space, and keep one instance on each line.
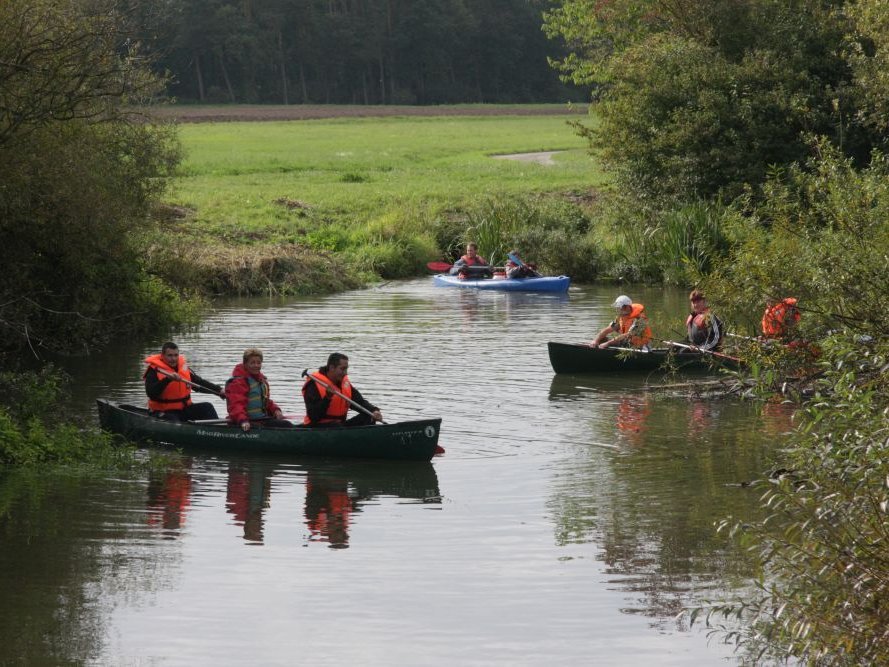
(324,404)
(169,383)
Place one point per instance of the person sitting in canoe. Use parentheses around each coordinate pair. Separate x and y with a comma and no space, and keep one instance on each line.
(631,326)
(168,383)
(705,330)
(472,265)
(248,396)
(328,395)
(517,269)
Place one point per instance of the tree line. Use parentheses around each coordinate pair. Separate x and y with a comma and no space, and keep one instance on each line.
(355,51)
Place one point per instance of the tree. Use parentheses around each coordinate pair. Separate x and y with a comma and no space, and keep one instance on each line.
(700,99)
(80,176)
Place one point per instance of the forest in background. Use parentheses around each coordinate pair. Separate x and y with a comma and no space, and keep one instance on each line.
(354,51)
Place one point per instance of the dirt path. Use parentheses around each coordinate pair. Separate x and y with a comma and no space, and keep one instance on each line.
(240,112)
(542,157)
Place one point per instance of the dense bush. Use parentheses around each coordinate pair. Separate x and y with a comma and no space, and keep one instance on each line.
(35,428)
(823,545)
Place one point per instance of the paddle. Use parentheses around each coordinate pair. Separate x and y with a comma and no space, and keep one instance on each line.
(190,384)
(694,348)
(330,388)
(518,262)
(439,267)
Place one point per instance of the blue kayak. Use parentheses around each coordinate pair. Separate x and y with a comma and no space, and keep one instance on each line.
(543,284)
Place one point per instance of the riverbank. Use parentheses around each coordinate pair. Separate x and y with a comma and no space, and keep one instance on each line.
(322,205)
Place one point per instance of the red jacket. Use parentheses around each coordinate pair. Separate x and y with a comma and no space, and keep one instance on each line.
(237,389)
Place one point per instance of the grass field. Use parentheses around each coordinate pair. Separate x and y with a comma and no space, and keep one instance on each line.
(300,206)
(360,168)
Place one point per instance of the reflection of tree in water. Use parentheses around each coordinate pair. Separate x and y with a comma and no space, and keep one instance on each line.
(63,545)
(650,509)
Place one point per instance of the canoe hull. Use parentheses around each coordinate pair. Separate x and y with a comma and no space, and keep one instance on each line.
(544,284)
(572,358)
(404,441)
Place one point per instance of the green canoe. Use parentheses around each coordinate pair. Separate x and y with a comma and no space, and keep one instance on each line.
(570,358)
(406,441)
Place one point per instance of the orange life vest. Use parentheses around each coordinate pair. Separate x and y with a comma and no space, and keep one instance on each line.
(473,261)
(626,322)
(338,407)
(778,317)
(176,395)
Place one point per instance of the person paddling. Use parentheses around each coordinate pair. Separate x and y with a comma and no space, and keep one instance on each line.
(169,383)
(328,395)
(516,269)
(631,326)
(248,394)
(472,265)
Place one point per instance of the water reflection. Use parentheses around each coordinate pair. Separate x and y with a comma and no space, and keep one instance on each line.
(169,494)
(334,494)
(650,503)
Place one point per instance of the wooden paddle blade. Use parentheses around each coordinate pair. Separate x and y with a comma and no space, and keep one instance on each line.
(439,267)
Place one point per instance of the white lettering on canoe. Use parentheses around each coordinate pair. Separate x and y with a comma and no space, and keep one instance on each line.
(228,434)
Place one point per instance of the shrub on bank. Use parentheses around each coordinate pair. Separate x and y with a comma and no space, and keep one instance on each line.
(35,428)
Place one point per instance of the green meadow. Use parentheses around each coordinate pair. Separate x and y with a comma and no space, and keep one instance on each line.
(379,196)
(233,173)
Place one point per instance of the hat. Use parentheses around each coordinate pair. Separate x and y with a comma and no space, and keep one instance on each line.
(621,301)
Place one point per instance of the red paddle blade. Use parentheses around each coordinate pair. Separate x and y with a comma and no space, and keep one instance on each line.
(438,267)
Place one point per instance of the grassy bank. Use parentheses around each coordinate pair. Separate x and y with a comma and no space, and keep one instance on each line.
(318,205)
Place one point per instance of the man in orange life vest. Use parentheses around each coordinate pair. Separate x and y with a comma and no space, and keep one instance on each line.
(471,265)
(631,326)
(324,407)
(168,383)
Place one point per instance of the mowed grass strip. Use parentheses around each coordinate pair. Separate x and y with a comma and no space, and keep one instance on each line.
(359,168)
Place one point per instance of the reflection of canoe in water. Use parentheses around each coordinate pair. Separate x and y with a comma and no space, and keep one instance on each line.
(411,441)
(575,358)
(544,284)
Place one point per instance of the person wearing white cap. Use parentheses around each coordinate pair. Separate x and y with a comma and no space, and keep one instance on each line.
(631,326)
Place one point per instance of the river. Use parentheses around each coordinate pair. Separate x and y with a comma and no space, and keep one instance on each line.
(569,521)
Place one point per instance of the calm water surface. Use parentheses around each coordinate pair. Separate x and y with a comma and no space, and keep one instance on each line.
(569,521)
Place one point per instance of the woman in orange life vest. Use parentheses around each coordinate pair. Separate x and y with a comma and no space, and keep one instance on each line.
(631,326)
(247,395)
(705,330)
(471,264)
(168,396)
(780,317)
(324,408)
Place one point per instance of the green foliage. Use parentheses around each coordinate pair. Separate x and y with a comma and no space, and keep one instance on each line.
(818,232)
(700,99)
(35,429)
(79,178)
(823,543)
(820,235)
